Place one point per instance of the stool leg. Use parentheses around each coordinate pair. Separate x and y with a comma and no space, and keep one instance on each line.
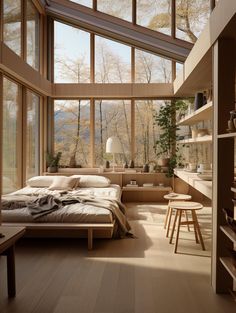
(169,222)
(167,215)
(186,215)
(178,229)
(195,228)
(173,227)
(198,230)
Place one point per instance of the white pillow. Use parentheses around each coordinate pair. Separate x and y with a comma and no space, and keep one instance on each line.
(40,181)
(92,181)
(63,183)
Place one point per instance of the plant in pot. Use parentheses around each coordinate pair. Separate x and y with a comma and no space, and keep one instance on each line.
(165,146)
(53,162)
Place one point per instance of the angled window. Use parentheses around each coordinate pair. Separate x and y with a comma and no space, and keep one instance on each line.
(71,54)
(112,61)
(11,136)
(150,68)
(121,8)
(72,131)
(155,14)
(86,3)
(191,18)
(112,118)
(32,135)
(32,35)
(12,24)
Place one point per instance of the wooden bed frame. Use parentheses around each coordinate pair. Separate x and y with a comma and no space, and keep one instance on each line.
(67,230)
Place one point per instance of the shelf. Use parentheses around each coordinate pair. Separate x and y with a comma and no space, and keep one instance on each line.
(154,188)
(207,138)
(203,186)
(229,135)
(202,114)
(229,266)
(233,189)
(229,233)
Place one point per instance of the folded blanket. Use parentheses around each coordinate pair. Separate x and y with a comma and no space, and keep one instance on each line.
(12,202)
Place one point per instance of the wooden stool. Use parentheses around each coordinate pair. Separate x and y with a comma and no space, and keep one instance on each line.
(174,197)
(186,206)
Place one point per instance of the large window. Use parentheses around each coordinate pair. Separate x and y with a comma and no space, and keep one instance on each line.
(146,130)
(32,35)
(12,24)
(71,54)
(150,68)
(72,131)
(11,136)
(32,135)
(155,14)
(121,8)
(112,118)
(87,3)
(112,61)
(191,17)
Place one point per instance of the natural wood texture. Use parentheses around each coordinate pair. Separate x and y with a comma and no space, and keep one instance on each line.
(223,176)
(229,266)
(129,275)
(203,186)
(1,123)
(197,74)
(11,235)
(229,233)
(207,138)
(202,114)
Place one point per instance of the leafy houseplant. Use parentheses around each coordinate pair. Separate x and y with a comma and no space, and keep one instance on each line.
(165,146)
(53,162)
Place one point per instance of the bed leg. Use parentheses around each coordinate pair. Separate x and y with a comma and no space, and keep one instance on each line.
(90,238)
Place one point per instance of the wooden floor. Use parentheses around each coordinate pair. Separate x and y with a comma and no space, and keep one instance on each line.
(120,276)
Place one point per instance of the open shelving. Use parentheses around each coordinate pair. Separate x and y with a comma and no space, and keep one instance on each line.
(207,138)
(229,233)
(202,114)
(229,266)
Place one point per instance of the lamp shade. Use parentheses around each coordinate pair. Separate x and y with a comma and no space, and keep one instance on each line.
(113,145)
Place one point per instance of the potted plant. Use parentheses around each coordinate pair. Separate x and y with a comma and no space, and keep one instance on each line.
(165,146)
(53,162)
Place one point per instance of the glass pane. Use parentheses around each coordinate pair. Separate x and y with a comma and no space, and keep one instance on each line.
(11,145)
(112,61)
(155,14)
(32,36)
(71,54)
(150,68)
(32,135)
(179,68)
(146,130)
(112,118)
(87,3)
(12,25)
(72,131)
(121,8)
(191,18)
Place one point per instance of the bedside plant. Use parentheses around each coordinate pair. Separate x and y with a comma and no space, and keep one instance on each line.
(53,162)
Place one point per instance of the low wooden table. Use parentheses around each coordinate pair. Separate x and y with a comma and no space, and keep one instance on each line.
(7,247)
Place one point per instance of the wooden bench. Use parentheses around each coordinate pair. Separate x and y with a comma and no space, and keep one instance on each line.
(41,229)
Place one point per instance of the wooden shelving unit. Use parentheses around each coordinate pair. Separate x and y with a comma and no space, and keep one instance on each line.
(229,266)
(229,135)
(229,233)
(207,138)
(202,114)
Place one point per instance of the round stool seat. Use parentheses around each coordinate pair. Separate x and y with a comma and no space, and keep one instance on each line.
(179,205)
(177,196)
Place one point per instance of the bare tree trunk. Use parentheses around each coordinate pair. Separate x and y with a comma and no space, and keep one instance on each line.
(72,162)
(101,130)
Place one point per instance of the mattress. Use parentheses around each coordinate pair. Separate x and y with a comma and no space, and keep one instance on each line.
(73,213)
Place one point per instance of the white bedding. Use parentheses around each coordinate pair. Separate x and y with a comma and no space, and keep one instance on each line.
(74,213)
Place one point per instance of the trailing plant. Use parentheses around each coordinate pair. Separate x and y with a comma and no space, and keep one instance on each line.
(166,146)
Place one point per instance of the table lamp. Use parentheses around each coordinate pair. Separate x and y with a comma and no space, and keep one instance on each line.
(113,145)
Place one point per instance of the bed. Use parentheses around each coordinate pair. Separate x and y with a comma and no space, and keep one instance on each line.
(96,210)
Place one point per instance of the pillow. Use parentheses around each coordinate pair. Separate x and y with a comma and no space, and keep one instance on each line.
(40,181)
(63,183)
(92,181)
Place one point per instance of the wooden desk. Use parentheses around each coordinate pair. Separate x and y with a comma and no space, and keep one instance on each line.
(7,247)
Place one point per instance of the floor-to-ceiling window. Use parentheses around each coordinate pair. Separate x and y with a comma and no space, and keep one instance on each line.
(32,135)
(11,128)
(12,24)
(33,27)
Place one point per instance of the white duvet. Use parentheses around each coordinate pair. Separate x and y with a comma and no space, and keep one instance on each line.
(73,213)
